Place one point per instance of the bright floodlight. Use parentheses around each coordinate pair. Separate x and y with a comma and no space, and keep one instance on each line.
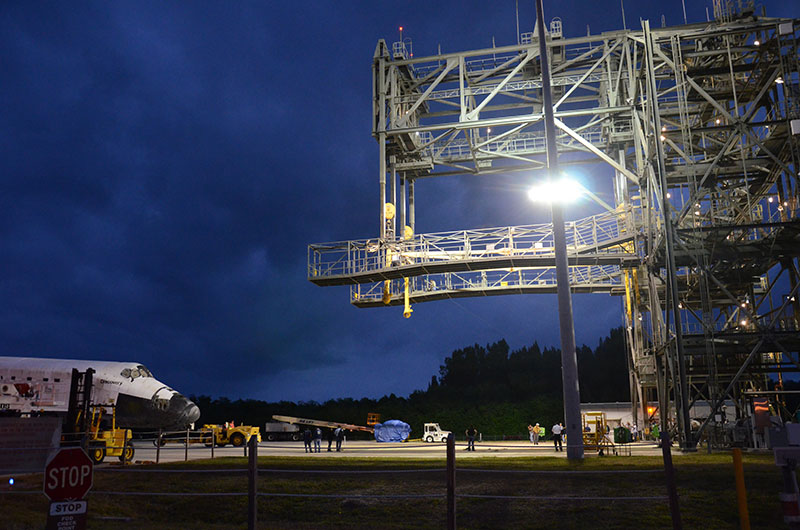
(562,191)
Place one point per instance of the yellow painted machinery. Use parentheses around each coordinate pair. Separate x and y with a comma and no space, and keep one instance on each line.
(104,441)
(596,434)
(236,436)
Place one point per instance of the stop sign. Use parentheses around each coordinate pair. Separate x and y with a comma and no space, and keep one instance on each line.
(68,475)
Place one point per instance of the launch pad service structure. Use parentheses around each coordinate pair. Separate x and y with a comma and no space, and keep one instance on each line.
(701,125)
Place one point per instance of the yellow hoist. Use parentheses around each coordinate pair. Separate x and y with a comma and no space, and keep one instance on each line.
(408,233)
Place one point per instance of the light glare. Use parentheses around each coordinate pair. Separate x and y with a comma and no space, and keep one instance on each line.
(563,191)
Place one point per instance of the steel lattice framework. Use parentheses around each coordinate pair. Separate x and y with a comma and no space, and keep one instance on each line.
(701,125)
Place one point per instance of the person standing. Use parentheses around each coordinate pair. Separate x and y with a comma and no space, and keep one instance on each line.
(530,432)
(536,432)
(471,433)
(331,438)
(307,440)
(339,437)
(317,439)
(557,437)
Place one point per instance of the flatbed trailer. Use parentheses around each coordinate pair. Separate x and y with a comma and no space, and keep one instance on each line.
(322,423)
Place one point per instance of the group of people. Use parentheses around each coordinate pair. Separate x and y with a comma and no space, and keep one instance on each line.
(634,430)
(227,425)
(535,431)
(334,435)
(651,431)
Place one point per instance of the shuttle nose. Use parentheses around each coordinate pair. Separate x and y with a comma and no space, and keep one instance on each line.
(185,412)
(192,413)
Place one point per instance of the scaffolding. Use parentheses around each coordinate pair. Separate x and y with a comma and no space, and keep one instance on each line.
(700,124)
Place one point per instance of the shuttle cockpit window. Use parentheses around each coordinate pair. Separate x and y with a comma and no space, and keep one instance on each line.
(133,373)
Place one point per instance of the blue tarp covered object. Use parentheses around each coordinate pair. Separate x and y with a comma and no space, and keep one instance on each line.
(392,431)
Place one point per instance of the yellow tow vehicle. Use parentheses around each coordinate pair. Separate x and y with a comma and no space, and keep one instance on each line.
(236,436)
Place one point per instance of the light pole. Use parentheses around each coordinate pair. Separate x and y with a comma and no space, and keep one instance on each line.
(569,361)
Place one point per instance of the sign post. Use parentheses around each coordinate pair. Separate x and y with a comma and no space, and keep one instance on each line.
(68,478)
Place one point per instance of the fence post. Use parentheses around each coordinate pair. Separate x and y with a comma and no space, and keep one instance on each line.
(451,482)
(252,475)
(789,497)
(213,443)
(741,493)
(669,475)
(158,446)
(186,453)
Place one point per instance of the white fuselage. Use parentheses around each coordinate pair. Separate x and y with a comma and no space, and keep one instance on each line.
(30,385)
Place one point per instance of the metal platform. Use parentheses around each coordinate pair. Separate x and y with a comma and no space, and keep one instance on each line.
(430,287)
(600,240)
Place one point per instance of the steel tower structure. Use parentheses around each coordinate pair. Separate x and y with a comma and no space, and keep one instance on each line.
(701,125)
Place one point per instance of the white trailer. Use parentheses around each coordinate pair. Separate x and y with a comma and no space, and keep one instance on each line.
(277,430)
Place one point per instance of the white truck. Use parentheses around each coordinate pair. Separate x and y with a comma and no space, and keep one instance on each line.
(276,430)
(433,433)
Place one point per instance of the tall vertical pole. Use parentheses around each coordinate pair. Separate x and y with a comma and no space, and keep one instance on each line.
(569,361)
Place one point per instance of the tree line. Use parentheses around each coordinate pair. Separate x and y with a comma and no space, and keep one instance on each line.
(497,390)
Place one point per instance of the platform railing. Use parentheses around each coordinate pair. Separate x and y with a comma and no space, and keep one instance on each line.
(602,235)
(585,279)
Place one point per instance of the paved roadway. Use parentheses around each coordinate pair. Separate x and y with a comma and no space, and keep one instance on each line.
(176,452)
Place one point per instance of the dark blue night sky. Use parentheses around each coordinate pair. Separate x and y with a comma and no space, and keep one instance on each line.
(165,164)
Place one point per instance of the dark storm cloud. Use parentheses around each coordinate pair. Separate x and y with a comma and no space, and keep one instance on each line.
(154,185)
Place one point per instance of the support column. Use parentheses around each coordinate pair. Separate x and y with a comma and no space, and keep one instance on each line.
(401,212)
(569,361)
(381,111)
(382,182)
(393,195)
(411,211)
(680,386)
